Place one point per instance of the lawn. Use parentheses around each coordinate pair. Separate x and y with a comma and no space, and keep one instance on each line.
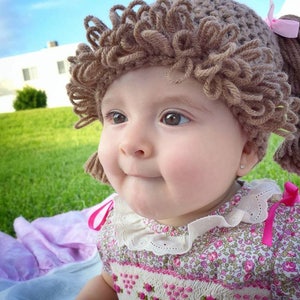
(42,158)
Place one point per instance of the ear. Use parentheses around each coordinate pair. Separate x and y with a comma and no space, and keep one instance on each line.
(248,160)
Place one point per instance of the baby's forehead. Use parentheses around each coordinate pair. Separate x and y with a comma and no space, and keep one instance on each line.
(160,88)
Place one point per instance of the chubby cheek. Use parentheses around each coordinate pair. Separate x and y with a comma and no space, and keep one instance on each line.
(182,167)
(108,157)
(193,171)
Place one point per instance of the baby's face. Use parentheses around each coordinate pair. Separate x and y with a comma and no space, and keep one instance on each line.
(170,153)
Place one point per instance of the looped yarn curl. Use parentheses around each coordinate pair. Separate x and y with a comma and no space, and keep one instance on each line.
(288,154)
(207,40)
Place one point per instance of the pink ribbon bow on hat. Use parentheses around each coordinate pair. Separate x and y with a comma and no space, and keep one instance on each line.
(286,28)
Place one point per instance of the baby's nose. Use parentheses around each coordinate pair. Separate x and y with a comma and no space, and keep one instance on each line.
(136,142)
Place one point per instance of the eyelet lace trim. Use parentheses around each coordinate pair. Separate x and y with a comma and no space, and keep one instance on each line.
(137,232)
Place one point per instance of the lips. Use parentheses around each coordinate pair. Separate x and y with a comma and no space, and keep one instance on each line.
(143,176)
(139,171)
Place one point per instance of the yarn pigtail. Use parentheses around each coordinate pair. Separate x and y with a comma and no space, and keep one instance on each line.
(288,154)
(95,169)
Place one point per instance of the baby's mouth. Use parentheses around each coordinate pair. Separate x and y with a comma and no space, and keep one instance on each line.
(141,175)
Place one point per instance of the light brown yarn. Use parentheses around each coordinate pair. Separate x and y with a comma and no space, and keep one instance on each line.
(288,154)
(222,44)
(94,168)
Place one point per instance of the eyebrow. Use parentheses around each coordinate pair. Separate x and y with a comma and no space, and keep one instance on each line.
(184,99)
(109,100)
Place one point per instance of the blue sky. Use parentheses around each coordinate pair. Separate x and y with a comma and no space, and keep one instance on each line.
(26,26)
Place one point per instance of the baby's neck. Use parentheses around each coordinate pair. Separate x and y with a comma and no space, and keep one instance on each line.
(203,212)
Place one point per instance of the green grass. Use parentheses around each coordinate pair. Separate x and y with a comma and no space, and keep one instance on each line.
(267,168)
(41,170)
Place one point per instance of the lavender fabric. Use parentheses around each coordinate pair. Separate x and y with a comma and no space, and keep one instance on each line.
(47,253)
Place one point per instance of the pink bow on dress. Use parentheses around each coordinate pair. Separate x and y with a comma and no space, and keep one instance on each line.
(286,28)
(290,198)
(99,216)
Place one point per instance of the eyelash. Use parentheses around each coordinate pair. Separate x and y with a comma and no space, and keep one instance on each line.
(175,117)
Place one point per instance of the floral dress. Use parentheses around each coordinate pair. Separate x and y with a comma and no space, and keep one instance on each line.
(220,256)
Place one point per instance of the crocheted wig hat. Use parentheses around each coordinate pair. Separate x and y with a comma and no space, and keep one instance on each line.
(224,45)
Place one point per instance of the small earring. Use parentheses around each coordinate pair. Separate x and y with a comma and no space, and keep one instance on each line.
(242,167)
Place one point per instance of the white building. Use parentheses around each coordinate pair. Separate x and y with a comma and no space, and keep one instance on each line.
(45,70)
(290,7)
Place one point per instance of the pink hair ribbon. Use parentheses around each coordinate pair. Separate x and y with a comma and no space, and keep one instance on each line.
(100,214)
(286,28)
(290,198)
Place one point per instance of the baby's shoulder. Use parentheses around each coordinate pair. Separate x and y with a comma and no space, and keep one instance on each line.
(286,208)
(287,222)
(286,244)
(285,215)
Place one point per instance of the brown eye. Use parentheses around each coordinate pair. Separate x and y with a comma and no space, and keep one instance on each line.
(118,118)
(174,119)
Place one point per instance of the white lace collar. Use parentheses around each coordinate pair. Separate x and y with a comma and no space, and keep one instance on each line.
(132,229)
